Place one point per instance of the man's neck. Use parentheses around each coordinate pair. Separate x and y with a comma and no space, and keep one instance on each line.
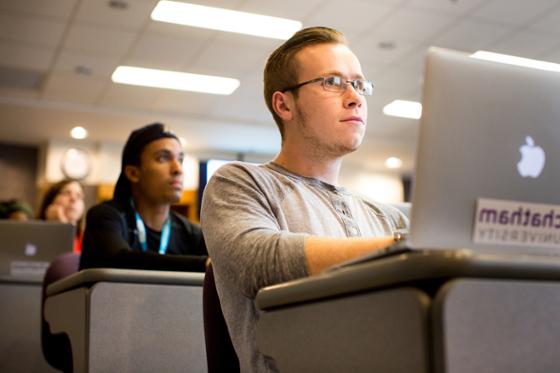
(322,168)
(153,215)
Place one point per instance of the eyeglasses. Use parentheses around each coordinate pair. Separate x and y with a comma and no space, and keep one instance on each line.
(335,83)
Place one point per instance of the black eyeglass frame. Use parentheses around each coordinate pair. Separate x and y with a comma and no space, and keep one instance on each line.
(322,79)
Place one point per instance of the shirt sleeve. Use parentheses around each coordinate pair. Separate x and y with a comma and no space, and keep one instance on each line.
(105,245)
(242,234)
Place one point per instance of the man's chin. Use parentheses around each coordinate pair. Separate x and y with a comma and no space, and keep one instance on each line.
(352,147)
(174,198)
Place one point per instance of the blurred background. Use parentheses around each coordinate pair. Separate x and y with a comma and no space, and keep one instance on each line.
(57,58)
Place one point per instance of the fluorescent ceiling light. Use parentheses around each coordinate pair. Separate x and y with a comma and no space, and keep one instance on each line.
(174,80)
(78,133)
(393,162)
(403,109)
(225,20)
(518,61)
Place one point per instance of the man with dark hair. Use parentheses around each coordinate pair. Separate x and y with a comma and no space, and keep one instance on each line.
(289,218)
(137,228)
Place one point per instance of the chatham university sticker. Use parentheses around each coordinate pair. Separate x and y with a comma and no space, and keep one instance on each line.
(516,223)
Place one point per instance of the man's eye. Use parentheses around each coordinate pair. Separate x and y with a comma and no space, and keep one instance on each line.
(332,81)
(359,85)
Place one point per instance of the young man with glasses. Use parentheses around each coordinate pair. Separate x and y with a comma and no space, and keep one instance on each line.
(289,218)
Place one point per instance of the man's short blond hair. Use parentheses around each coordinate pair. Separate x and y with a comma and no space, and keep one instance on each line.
(281,70)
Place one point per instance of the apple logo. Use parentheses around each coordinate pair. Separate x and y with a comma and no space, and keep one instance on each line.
(30,249)
(532,159)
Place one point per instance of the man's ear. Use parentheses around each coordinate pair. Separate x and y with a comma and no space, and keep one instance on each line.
(132,173)
(282,104)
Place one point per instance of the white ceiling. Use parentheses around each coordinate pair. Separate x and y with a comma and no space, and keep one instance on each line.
(55,37)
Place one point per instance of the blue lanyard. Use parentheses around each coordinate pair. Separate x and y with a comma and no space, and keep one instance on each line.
(164,240)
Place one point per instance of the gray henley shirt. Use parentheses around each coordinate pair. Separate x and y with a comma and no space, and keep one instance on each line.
(254,221)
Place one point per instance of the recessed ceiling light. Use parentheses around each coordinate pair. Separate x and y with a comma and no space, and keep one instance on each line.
(83,70)
(518,61)
(387,45)
(118,4)
(393,162)
(174,80)
(79,133)
(403,109)
(225,20)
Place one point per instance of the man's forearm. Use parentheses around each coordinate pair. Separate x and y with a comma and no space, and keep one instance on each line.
(324,252)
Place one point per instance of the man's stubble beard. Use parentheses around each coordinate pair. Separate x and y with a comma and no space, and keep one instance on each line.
(316,148)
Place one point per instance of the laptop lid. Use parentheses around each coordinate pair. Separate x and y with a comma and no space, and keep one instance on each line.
(27,248)
(489,132)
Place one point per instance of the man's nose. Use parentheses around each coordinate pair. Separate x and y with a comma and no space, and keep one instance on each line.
(352,97)
(177,167)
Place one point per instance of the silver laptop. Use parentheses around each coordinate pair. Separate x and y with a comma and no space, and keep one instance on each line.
(488,159)
(27,248)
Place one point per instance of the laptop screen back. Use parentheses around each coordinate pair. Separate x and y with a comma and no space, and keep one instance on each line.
(27,248)
(478,118)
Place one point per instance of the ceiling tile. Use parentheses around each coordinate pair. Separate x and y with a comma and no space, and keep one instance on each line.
(129,97)
(101,38)
(412,25)
(31,30)
(227,4)
(18,93)
(246,103)
(180,31)
(449,6)
(415,61)
(99,12)
(549,22)
(52,8)
(525,44)
(100,41)
(513,12)
(399,81)
(352,19)
(291,9)
(386,2)
(68,61)
(25,56)
(164,51)
(248,107)
(187,102)
(73,88)
(371,54)
(470,35)
(552,55)
(233,55)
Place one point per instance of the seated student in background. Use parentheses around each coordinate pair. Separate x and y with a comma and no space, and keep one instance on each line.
(290,218)
(64,203)
(137,229)
(15,209)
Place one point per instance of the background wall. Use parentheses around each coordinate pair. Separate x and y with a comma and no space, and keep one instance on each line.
(28,171)
(106,163)
(377,186)
(18,172)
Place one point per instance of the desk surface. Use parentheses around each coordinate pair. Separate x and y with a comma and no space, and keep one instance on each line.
(87,277)
(406,268)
